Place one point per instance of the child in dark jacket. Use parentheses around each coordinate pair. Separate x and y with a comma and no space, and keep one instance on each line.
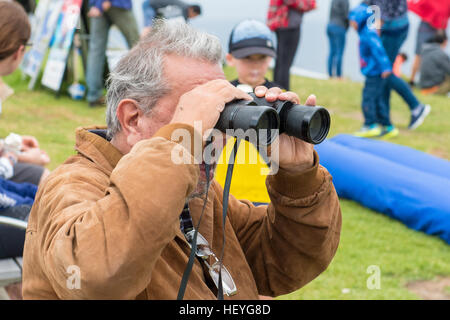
(376,67)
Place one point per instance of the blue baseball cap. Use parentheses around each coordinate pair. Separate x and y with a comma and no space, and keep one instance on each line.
(251,37)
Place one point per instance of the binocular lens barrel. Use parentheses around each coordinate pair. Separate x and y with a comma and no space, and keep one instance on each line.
(310,124)
(249,116)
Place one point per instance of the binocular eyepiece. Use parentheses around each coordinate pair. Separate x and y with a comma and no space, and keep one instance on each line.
(310,124)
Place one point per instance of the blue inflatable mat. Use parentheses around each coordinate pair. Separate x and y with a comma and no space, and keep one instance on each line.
(400,154)
(391,182)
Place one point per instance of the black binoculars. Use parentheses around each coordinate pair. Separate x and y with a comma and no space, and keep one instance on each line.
(310,124)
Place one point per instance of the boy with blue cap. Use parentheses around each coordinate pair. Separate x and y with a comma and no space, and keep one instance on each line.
(250,51)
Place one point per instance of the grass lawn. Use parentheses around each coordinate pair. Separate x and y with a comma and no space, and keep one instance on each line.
(368,238)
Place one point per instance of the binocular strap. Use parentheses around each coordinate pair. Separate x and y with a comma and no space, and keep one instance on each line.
(226,193)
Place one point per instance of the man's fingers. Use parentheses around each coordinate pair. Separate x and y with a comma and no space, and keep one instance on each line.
(290,96)
(311,101)
(239,94)
(260,91)
(272,94)
(230,93)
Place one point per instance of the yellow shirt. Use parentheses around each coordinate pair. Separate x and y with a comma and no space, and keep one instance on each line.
(249,174)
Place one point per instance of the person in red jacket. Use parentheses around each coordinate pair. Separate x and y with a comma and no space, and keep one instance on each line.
(285,18)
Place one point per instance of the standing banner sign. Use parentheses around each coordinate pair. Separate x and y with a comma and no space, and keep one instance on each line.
(62,42)
(46,17)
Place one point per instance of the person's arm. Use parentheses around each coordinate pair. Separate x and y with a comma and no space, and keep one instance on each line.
(115,236)
(292,240)
(380,56)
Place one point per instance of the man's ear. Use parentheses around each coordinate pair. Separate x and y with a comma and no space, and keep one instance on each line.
(128,113)
(230,59)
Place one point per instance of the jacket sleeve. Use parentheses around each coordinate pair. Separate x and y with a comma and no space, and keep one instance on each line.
(292,240)
(115,236)
(379,54)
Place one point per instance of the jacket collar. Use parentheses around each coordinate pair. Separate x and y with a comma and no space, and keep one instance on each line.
(92,143)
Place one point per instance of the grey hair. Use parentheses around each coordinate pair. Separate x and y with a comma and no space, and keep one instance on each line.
(139,75)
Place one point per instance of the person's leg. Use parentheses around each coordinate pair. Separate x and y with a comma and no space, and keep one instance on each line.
(402,88)
(383,108)
(369,98)
(392,42)
(98,38)
(26,172)
(277,69)
(383,114)
(287,44)
(12,241)
(13,238)
(419,111)
(369,108)
(340,50)
(126,22)
(332,54)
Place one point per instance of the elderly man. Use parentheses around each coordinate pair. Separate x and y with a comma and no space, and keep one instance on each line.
(106,224)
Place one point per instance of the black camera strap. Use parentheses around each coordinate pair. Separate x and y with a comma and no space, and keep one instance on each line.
(190,264)
(226,193)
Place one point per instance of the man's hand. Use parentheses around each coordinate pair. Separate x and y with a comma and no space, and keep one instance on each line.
(94,12)
(206,102)
(295,155)
(34,156)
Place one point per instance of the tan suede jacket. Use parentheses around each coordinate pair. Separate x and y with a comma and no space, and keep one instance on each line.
(114,220)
